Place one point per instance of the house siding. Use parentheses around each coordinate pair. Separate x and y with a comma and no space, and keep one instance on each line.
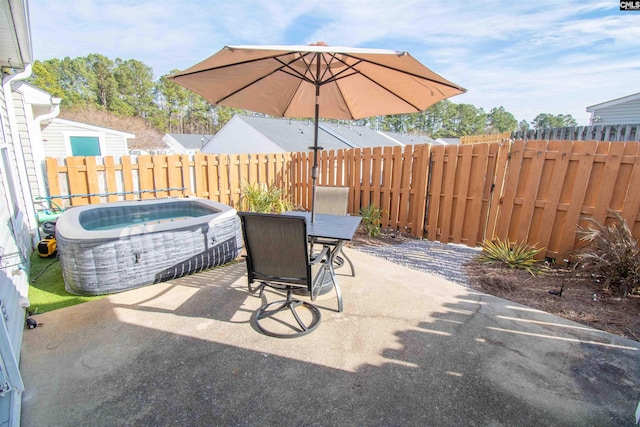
(15,247)
(23,132)
(55,139)
(616,112)
(624,113)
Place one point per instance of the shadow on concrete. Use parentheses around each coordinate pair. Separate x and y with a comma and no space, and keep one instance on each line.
(409,349)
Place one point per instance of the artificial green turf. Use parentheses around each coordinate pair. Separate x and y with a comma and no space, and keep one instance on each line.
(46,290)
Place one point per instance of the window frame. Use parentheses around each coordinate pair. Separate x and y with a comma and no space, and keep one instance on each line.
(84,134)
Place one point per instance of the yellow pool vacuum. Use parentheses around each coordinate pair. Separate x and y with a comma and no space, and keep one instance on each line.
(47,247)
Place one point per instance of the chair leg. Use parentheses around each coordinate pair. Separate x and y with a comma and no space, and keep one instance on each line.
(336,286)
(353,270)
(291,304)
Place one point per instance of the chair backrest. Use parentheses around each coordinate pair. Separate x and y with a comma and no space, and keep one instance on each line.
(332,200)
(276,247)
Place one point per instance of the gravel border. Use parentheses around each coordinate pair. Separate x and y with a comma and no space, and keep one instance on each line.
(440,259)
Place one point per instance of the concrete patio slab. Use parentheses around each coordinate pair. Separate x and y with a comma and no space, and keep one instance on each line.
(409,349)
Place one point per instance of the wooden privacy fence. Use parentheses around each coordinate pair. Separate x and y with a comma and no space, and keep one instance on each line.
(85,180)
(533,191)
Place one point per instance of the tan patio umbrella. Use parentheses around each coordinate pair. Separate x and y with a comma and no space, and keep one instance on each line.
(316,81)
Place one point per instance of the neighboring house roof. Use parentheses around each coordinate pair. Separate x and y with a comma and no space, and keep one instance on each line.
(249,134)
(613,102)
(448,141)
(410,138)
(183,142)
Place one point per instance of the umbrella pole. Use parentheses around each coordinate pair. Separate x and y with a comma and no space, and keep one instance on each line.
(314,169)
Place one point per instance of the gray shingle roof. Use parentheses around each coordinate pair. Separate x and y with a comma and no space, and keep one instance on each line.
(250,134)
(191,141)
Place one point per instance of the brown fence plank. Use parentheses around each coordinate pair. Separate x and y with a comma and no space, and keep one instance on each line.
(77,177)
(185,165)
(474,213)
(448,191)
(606,182)
(199,175)
(110,179)
(497,188)
(435,191)
(145,173)
(376,177)
(631,204)
(225,185)
(127,178)
(558,164)
(535,157)
(365,161)
(463,172)
(507,200)
(386,164)
(53,179)
(212,177)
(174,177)
(93,188)
(160,180)
(403,201)
(356,177)
(419,184)
(586,150)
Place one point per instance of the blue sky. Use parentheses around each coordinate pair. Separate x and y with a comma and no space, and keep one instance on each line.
(530,57)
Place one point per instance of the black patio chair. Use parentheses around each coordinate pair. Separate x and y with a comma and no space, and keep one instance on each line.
(277,256)
(335,201)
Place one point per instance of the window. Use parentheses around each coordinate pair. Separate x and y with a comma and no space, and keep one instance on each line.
(85,145)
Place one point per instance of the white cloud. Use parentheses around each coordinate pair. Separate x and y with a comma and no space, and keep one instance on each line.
(556,56)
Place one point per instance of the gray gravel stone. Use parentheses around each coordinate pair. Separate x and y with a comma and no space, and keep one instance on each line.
(444,260)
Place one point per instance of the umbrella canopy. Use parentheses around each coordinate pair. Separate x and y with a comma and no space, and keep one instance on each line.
(316,81)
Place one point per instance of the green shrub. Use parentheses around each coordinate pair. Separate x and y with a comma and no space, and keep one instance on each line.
(519,256)
(263,199)
(371,216)
(610,254)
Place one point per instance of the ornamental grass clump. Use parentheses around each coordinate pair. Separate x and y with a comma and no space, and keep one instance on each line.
(263,199)
(520,256)
(371,220)
(610,254)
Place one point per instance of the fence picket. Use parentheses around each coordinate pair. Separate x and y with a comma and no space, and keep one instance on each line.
(76,172)
(463,171)
(478,179)
(436,172)
(496,168)
(631,204)
(534,159)
(448,188)
(586,151)
(606,183)
(558,165)
(507,202)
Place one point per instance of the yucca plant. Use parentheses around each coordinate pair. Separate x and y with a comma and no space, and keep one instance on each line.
(610,254)
(521,256)
(371,217)
(263,199)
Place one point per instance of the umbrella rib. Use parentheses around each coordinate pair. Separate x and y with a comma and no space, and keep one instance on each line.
(451,85)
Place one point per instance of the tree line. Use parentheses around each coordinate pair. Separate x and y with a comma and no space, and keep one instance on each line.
(127,88)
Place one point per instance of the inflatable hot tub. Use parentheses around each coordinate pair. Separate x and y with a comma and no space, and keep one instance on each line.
(114,247)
